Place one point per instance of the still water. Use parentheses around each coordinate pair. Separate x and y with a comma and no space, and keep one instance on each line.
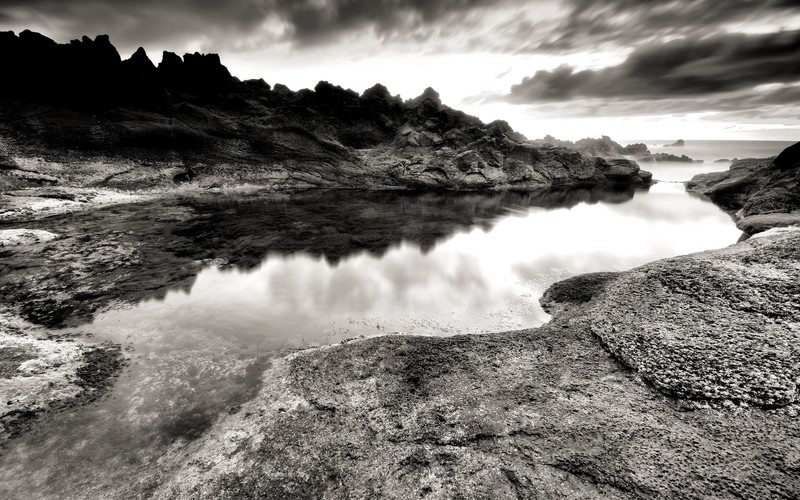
(432,264)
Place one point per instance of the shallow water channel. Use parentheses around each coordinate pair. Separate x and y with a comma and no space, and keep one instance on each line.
(430,264)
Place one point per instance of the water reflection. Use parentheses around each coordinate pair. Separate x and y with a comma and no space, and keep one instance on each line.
(313,270)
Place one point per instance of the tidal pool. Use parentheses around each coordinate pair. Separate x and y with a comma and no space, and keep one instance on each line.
(314,269)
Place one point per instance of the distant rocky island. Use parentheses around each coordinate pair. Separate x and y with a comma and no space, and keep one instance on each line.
(608,148)
(77,114)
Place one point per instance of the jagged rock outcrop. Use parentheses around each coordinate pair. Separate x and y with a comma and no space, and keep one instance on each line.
(761,193)
(132,124)
(789,159)
(607,147)
(659,157)
(635,149)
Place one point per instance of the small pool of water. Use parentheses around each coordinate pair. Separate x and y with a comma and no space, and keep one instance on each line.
(432,265)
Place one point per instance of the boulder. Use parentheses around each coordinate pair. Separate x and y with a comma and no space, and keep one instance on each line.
(470,161)
(789,158)
(635,149)
(617,169)
(17,237)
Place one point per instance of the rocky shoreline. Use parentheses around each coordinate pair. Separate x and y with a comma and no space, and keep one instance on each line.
(677,378)
(681,380)
(759,193)
(635,412)
(546,411)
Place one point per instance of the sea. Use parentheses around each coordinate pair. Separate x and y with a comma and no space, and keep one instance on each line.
(715,155)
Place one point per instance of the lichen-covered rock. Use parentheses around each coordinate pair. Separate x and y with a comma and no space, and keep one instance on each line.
(716,326)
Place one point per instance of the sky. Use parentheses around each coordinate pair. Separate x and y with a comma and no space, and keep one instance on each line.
(631,69)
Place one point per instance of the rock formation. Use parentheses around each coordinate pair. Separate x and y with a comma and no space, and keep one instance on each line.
(659,157)
(760,193)
(132,124)
(608,148)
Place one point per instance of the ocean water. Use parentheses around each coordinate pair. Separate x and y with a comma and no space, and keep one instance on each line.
(708,151)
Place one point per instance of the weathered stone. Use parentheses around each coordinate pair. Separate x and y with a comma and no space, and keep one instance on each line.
(16,237)
(757,188)
(470,160)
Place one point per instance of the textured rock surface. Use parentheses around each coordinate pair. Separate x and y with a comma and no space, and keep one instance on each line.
(760,192)
(720,325)
(40,374)
(543,412)
(14,237)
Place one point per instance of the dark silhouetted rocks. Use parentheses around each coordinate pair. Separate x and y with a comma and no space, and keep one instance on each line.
(660,157)
(789,158)
(80,104)
(635,149)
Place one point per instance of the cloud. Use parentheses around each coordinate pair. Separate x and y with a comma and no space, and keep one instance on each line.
(507,26)
(684,67)
(626,22)
(225,22)
(315,20)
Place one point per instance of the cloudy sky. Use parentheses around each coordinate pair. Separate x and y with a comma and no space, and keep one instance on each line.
(632,69)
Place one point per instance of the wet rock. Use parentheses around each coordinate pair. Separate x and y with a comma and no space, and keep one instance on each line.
(757,191)
(39,375)
(755,224)
(635,149)
(647,177)
(659,157)
(617,169)
(575,290)
(16,237)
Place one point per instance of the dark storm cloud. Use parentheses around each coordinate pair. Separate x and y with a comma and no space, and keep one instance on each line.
(306,21)
(624,22)
(683,67)
(316,20)
(508,26)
